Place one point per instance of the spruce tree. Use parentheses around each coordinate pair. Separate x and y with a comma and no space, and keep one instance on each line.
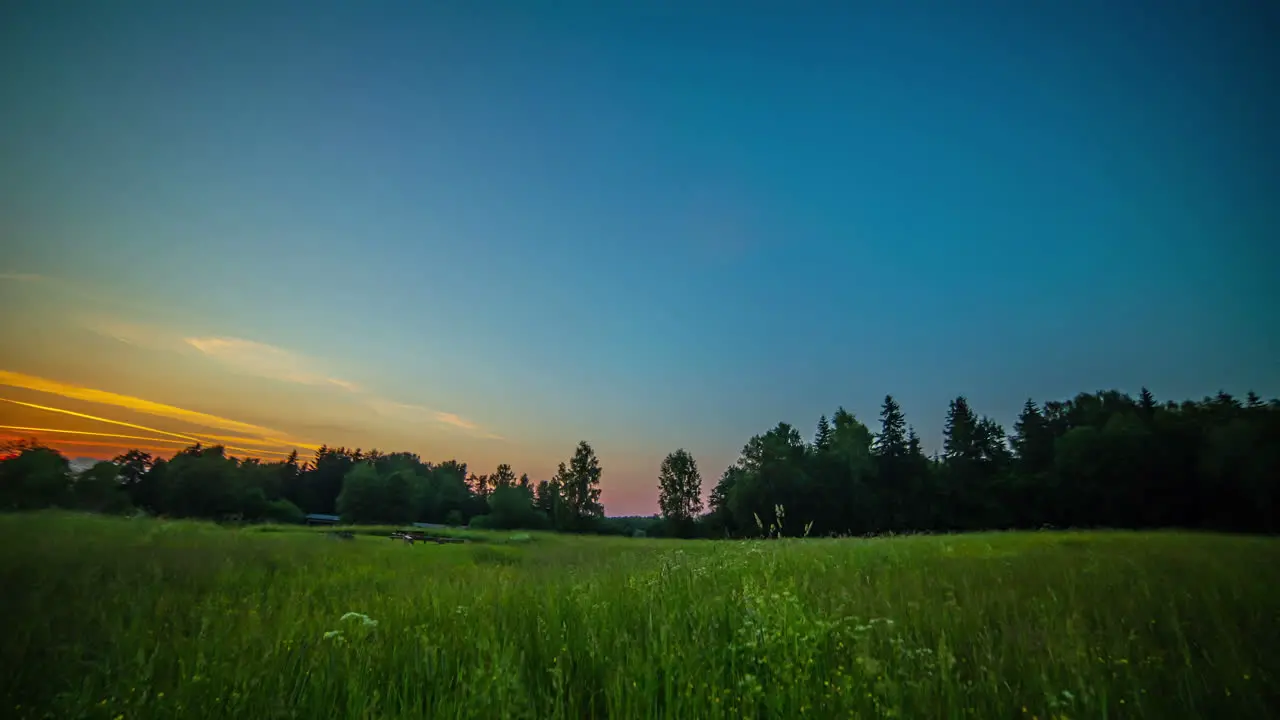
(822,439)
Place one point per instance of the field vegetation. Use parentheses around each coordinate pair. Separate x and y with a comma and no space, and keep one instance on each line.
(141,618)
(853,576)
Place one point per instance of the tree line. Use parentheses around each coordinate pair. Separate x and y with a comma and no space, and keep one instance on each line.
(1097,460)
(359,486)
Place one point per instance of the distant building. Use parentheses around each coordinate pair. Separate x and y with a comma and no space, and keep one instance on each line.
(429,525)
(322,519)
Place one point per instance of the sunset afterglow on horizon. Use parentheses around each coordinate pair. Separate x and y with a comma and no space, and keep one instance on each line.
(253,398)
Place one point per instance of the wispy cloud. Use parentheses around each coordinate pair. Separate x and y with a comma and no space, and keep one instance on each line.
(410,414)
(266,442)
(78,446)
(248,438)
(86,433)
(102,397)
(259,359)
(344,384)
(263,360)
(20,277)
(269,361)
(17,431)
(462,424)
(245,357)
(138,335)
(179,438)
(96,418)
(450,419)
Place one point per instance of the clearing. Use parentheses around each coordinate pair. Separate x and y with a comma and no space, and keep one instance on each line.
(113,618)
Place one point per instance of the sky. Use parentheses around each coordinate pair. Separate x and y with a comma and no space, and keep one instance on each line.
(486,231)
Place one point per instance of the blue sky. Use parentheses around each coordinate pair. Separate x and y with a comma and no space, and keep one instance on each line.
(649,225)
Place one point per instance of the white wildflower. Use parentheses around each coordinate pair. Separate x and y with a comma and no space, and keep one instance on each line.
(365,620)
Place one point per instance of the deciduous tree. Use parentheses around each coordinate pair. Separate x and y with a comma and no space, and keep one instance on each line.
(580,488)
(680,490)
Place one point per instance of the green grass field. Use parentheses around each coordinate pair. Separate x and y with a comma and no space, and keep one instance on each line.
(109,618)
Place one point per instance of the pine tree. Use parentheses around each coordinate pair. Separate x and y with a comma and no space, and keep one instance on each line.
(1147,402)
(913,444)
(502,477)
(993,444)
(917,502)
(890,482)
(891,442)
(822,439)
(1032,440)
(960,435)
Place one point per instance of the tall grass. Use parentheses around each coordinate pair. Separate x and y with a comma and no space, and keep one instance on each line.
(150,619)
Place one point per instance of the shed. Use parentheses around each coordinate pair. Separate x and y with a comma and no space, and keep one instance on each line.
(322,519)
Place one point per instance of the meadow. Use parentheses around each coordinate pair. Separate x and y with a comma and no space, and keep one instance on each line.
(121,619)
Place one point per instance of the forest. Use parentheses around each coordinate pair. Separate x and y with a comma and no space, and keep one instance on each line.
(1100,460)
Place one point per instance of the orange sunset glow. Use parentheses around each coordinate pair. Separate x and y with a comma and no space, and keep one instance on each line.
(79,441)
(101,370)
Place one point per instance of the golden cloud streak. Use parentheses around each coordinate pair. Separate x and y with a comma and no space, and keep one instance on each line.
(264,442)
(63,431)
(20,428)
(78,446)
(102,397)
(109,421)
